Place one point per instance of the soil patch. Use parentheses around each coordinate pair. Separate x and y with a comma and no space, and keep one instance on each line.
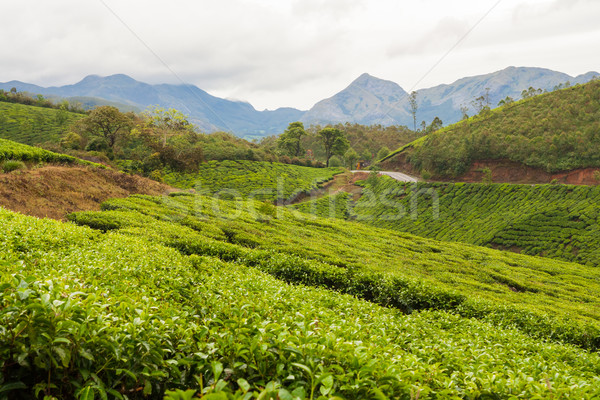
(55,191)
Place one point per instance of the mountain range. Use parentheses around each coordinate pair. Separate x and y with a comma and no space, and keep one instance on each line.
(367,100)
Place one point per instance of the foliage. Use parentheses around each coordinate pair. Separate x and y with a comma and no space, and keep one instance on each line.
(382,153)
(290,141)
(363,139)
(33,125)
(543,297)
(13,96)
(256,179)
(553,131)
(108,122)
(333,206)
(334,142)
(556,221)
(10,150)
(88,315)
(12,165)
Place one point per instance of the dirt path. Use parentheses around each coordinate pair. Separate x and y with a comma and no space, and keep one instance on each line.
(340,183)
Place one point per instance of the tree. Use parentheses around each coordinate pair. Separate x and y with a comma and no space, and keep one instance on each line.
(334,142)
(351,157)
(290,140)
(366,155)
(480,104)
(413,107)
(434,126)
(531,92)
(507,100)
(166,123)
(109,122)
(464,111)
(173,139)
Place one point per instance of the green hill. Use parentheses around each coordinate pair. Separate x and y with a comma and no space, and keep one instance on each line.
(257,179)
(93,315)
(14,151)
(34,125)
(556,221)
(555,131)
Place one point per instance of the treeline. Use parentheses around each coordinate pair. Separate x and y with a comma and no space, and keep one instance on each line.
(350,143)
(554,131)
(13,96)
(159,141)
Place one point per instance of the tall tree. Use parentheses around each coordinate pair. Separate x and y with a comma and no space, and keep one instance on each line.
(290,140)
(413,107)
(351,157)
(167,123)
(334,141)
(109,122)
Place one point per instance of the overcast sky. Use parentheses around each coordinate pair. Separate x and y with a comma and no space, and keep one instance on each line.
(275,53)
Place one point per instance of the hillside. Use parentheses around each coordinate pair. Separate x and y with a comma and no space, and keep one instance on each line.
(555,221)
(551,132)
(41,183)
(255,179)
(95,315)
(387,267)
(34,125)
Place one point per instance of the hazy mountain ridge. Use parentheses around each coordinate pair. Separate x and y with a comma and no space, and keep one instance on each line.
(367,100)
(208,112)
(444,101)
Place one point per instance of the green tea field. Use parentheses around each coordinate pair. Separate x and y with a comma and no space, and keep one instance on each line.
(34,125)
(556,221)
(257,179)
(88,314)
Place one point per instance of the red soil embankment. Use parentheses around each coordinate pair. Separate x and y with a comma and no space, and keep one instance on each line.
(512,172)
(55,191)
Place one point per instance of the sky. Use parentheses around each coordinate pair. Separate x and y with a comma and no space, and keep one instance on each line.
(292,53)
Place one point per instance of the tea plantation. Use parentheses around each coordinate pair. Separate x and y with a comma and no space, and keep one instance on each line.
(34,125)
(556,221)
(86,314)
(543,297)
(10,150)
(257,179)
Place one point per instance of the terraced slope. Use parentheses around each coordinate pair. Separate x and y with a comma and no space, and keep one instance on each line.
(10,150)
(34,125)
(86,314)
(556,221)
(257,179)
(546,298)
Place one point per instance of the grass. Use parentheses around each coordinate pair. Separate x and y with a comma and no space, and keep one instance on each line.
(86,314)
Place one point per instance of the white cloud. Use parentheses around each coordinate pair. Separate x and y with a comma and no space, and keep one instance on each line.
(291,52)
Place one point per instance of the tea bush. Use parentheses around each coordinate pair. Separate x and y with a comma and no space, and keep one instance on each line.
(85,314)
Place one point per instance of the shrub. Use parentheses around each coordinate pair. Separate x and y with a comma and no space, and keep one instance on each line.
(12,165)
(335,162)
